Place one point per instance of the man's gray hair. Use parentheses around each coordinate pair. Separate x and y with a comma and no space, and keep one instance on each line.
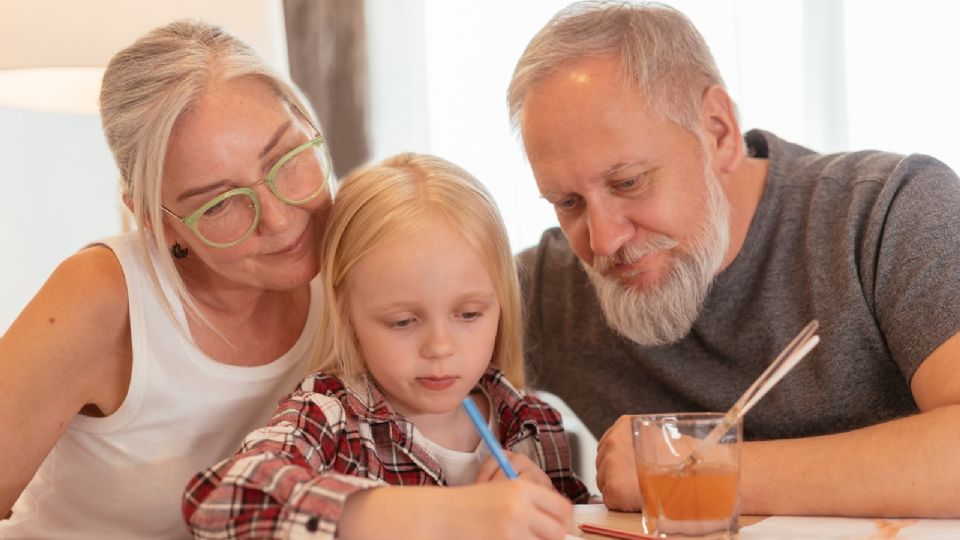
(658,47)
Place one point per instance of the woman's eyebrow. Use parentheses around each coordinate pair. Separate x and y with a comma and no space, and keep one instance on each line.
(202,189)
(275,139)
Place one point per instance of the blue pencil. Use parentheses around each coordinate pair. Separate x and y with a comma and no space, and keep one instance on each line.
(488,438)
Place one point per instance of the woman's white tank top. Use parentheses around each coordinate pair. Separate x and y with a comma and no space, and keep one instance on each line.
(122,476)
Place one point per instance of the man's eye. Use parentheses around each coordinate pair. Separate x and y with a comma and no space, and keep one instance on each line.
(626,184)
(634,186)
(567,203)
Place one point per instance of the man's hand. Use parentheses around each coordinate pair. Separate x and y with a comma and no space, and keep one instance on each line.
(617,468)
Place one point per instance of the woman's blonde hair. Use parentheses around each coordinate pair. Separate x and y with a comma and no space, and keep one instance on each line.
(404,194)
(147,87)
(659,50)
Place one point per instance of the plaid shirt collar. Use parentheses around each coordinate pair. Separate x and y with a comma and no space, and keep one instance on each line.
(515,416)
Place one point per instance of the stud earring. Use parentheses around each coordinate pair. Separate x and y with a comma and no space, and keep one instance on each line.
(178,251)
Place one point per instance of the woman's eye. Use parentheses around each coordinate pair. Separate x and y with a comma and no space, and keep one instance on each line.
(471,315)
(218,208)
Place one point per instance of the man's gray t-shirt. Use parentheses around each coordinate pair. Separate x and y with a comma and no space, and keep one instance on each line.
(868,243)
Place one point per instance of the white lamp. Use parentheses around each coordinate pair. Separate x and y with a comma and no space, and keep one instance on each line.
(52,52)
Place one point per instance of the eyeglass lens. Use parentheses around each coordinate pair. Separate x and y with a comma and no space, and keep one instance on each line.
(298,180)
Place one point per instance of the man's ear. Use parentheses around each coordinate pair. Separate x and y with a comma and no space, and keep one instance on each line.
(718,119)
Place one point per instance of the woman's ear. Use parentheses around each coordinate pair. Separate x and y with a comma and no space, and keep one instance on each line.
(718,119)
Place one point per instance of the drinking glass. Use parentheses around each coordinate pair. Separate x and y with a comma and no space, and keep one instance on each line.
(679,500)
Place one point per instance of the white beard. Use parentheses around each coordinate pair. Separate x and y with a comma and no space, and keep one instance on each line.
(666,311)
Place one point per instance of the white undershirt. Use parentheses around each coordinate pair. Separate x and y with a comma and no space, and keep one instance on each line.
(460,468)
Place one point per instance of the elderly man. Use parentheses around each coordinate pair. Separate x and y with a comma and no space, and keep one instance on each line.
(691,254)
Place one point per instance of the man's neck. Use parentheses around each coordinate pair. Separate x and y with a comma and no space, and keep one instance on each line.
(744,189)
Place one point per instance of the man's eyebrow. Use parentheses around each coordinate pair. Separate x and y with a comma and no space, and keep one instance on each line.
(275,138)
(617,167)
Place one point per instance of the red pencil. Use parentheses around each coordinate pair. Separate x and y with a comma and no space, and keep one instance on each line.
(614,533)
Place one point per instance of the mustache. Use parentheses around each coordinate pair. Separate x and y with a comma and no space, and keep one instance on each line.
(632,253)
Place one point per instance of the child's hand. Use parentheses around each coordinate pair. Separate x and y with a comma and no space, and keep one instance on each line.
(525,467)
(501,510)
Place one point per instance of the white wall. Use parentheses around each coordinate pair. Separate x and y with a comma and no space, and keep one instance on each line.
(58,184)
(58,192)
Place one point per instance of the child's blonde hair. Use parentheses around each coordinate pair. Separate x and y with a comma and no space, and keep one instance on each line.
(404,194)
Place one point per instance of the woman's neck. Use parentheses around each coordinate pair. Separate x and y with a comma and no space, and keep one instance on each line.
(249,326)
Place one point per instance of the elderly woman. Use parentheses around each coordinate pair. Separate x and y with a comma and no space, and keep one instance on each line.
(147,356)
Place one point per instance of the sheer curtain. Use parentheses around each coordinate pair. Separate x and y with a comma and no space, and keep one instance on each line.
(326,43)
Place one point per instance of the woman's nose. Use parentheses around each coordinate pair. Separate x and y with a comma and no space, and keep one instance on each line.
(274,213)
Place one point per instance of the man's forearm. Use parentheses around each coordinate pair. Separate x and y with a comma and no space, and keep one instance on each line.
(906,467)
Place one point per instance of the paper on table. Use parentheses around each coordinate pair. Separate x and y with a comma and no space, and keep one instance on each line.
(828,528)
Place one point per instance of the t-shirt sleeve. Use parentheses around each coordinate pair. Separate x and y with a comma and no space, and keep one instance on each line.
(918,260)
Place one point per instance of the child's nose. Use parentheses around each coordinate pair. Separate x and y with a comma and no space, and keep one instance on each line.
(438,343)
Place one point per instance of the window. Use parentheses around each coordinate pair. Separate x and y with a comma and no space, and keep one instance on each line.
(831,75)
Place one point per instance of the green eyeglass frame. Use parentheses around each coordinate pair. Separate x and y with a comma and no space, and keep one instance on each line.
(191,220)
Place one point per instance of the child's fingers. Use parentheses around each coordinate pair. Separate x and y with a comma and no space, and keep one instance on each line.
(489,471)
(555,516)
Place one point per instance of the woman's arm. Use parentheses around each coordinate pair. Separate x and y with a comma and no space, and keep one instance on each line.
(67,352)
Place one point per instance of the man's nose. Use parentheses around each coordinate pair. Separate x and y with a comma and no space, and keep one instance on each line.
(609,230)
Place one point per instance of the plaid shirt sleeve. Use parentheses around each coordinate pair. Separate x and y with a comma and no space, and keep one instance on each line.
(531,427)
(281,483)
(553,450)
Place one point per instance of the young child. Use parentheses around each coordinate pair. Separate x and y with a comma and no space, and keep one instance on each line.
(422,309)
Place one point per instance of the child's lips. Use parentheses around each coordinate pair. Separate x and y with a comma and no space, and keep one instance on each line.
(437,383)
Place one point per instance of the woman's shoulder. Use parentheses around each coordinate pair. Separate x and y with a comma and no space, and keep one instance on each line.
(76,326)
(93,279)
(86,297)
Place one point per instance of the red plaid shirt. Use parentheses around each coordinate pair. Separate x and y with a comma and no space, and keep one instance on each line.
(328,440)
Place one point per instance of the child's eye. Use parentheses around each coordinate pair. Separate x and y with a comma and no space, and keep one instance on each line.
(471,315)
(402,323)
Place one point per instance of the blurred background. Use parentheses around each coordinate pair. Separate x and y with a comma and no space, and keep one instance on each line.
(431,76)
